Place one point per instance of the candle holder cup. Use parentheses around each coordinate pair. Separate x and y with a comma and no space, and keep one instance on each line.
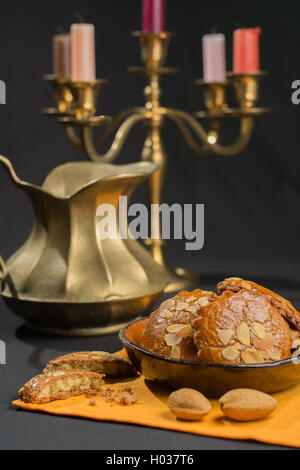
(85,98)
(201,140)
(247,87)
(154,47)
(214,94)
(63,96)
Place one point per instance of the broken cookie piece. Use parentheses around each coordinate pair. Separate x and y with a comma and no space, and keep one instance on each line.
(59,385)
(100,362)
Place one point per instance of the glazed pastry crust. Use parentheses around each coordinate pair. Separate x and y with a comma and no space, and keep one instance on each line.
(160,334)
(59,385)
(242,328)
(285,308)
(99,362)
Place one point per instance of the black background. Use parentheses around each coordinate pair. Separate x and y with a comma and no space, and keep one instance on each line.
(252,200)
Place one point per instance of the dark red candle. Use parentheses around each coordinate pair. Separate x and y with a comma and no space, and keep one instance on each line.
(154,16)
(246,50)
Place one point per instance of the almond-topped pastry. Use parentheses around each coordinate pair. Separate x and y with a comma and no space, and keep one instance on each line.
(285,308)
(112,365)
(59,385)
(169,331)
(242,328)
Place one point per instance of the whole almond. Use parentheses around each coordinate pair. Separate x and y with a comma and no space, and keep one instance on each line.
(247,405)
(188,404)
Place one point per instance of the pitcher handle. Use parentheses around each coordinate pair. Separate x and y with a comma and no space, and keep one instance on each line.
(4,275)
(3,270)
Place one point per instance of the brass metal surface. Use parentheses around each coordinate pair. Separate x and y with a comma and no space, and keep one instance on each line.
(62,92)
(154,47)
(200,139)
(65,278)
(247,87)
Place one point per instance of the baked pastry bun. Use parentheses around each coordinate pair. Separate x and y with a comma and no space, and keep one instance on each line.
(285,308)
(241,328)
(112,365)
(59,385)
(169,331)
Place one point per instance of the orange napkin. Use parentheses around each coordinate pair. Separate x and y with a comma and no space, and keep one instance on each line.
(281,428)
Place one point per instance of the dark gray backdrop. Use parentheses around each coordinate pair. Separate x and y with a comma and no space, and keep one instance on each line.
(252,200)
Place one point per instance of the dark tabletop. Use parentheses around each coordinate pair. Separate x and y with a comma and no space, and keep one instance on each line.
(28,352)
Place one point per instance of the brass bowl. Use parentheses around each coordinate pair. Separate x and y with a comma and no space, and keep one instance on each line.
(80,319)
(213,380)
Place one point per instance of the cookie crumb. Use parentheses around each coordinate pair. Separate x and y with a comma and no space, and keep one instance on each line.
(127,399)
(91,395)
(93,402)
(108,395)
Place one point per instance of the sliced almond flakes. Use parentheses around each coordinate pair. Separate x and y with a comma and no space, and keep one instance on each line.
(266,343)
(181,306)
(243,334)
(174,328)
(193,308)
(166,314)
(232,353)
(275,355)
(175,352)
(167,304)
(172,340)
(203,302)
(225,336)
(251,356)
(258,330)
(191,299)
(187,331)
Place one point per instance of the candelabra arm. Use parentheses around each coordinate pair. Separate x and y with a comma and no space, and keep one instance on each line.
(246,128)
(91,149)
(101,139)
(188,136)
(72,137)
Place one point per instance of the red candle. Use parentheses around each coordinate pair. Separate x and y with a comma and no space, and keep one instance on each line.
(246,54)
(154,16)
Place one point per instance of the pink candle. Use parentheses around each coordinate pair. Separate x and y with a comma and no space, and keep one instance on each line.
(62,55)
(214,58)
(154,16)
(83,53)
(246,54)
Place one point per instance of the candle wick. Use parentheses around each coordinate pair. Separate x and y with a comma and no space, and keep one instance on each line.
(59,29)
(240,25)
(214,29)
(79,17)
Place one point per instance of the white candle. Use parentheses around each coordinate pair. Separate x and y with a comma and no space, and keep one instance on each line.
(62,56)
(214,58)
(83,53)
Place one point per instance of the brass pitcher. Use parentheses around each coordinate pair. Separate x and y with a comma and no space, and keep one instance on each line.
(64,279)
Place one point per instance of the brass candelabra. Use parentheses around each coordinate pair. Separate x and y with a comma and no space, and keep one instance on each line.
(76,110)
